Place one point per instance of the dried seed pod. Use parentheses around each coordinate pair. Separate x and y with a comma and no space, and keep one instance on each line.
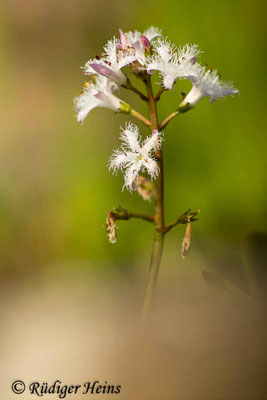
(111,227)
(186,241)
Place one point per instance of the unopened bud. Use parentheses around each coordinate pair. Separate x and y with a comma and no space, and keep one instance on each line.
(146,43)
(145,188)
(105,71)
(123,39)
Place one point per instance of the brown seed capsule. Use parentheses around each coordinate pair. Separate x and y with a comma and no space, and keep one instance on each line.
(111,228)
(186,241)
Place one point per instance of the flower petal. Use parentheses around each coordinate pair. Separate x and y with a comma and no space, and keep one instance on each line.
(103,70)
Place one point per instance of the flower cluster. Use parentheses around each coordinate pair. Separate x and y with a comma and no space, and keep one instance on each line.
(146,53)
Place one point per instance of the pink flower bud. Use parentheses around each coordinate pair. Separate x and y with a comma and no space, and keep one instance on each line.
(145,42)
(123,39)
(103,70)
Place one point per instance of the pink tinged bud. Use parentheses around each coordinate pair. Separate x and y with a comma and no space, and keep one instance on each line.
(137,45)
(146,42)
(103,70)
(193,60)
(145,187)
(123,39)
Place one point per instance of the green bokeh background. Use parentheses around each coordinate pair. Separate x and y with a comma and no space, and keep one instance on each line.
(55,186)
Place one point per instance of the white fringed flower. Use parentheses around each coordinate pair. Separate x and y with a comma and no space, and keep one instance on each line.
(209,84)
(173,63)
(135,156)
(113,61)
(98,94)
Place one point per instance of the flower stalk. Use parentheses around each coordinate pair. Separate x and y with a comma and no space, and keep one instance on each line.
(135,90)
(120,213)
(168,119)
(158,242)
(141,118)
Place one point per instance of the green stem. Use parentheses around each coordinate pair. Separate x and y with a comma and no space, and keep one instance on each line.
(159,212)
(183,219)
(168,119)
(120,213)
(152,275)
(139,116)
(158,95)
(135,90)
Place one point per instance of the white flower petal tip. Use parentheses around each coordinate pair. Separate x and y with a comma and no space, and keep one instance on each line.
(153,33)
(135,156)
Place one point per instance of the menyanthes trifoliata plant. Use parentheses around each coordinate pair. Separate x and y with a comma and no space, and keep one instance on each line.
(140,159)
